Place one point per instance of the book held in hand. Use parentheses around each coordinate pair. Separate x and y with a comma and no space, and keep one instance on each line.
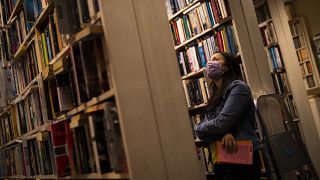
(243,155)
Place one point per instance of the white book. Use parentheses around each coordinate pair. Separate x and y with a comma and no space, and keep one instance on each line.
(181,30)
(186,92)
(194,58)
(206,50)
(182,61)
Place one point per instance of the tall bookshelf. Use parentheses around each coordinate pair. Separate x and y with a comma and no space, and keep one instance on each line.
(274,54)
(305,110)
(63,97)
(305,55)
(316,40)
(194,45)
(74,113)
(199,29)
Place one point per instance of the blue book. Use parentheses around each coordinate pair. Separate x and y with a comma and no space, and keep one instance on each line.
(48,42)
(231,40)
(209,10)
(29,10)
(273,58)
(203,61)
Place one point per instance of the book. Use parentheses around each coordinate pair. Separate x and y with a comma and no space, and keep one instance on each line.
(64,92)
(60,146)
(114,139)
(243,155)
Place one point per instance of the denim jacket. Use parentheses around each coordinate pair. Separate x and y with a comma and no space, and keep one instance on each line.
(235,113)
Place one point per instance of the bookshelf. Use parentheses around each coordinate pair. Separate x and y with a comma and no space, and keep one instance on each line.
(274,53)
(316,44)
(42,109)
(144,84)
(69,114)
(195,44)
(305,55)
(308,119)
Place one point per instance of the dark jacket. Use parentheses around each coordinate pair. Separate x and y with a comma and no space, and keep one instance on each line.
(235,113)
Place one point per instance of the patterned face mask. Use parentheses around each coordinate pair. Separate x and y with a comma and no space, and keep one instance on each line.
(214,70)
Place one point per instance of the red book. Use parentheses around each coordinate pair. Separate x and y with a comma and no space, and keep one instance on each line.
(215,12)
(60,148)
(220,41)
(176,32)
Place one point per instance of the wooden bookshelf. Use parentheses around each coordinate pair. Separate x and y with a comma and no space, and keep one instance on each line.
(146,92)
(271,46)
(50,65)
(208,41)
(205,32)
(16,9)
(194,74)
(305,55)
(23,46)
(183,10)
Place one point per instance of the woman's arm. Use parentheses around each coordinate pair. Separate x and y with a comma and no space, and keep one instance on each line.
(237,102)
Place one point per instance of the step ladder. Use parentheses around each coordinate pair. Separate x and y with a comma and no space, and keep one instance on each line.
(284,150)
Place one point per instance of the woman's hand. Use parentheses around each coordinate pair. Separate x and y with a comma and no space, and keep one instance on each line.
(229,144)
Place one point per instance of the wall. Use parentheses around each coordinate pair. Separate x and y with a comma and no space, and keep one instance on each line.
(309,9)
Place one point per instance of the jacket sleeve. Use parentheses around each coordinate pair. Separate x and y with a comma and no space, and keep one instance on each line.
(236,103)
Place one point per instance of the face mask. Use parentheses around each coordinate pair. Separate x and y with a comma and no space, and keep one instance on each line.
(214,70)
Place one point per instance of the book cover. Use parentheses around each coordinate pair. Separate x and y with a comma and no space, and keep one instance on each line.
(114,138)
(59,143)
(244,154)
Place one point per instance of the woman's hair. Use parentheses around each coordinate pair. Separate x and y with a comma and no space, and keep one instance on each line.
(232,73)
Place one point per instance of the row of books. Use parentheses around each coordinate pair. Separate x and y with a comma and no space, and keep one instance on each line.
(275,58)
(49,33)
(8,91)
(306,68)
(85,77)
(196,56)
(75,14)
(268,34)
(174,6)
(296,28)
(3,52)
(22,23)
(195,20)
(23,117)
(310,82)
(11,41)
(90,143)
(303,54)
(50,41)
(219,7)
(11,159)
(195,120)
(298,42)
(6,7)
(204,154)
(196,91)
(38,154)
(291,105)
(262,13)
(25,70)
(281,83)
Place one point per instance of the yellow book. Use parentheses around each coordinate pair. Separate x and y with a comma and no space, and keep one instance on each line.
(44,49)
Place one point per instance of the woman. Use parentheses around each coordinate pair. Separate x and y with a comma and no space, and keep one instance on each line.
(230,116)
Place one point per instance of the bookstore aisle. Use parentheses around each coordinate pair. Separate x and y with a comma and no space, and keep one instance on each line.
(106,89)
